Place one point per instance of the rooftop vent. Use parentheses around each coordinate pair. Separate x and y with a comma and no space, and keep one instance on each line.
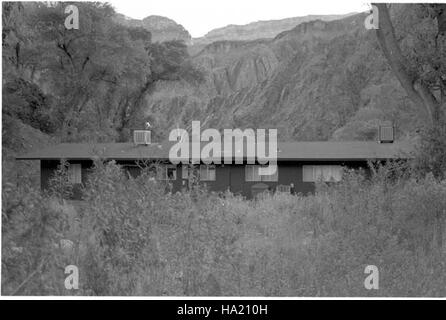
(142,137)
(386,133)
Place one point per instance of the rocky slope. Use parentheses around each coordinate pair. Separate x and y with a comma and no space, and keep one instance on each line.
(260,29)
(320,80)
(162,28)
(257,30)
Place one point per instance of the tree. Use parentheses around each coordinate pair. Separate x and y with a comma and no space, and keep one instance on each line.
(89,70)
(93,80)
(428,94)
(169,61)
(12,31)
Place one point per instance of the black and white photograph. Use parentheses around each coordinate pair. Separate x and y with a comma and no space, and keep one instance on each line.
(223,149)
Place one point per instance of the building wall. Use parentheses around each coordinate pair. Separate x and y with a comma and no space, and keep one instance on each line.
(289,172)
(227,176)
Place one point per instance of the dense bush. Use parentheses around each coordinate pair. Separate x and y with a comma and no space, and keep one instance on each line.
(132,238)
(432,151)
(26,102)
(32,225)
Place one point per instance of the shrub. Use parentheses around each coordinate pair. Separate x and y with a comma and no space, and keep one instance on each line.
(32,226)
(134,237)
(431,153)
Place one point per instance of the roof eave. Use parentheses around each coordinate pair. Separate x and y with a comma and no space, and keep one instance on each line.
(167,159)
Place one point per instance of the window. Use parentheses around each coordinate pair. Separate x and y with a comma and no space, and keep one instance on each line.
(206,172)
(167,173)
(131,170)
(324,173)
(271,177)
(75,173)
(185,172)
(171,173)
(252,174)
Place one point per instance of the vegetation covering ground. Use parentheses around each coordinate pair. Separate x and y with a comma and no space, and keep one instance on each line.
(130,237)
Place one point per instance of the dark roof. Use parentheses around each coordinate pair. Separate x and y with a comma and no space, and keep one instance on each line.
(287,151)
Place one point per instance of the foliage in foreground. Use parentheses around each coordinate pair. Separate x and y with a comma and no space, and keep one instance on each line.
(132,238)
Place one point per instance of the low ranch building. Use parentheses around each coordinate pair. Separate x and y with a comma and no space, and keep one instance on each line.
(300,164)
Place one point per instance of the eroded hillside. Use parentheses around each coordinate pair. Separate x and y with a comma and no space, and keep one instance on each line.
(319,80)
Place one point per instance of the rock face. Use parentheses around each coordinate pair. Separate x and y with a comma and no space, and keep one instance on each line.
(162,28)
(260,29)
(320,80)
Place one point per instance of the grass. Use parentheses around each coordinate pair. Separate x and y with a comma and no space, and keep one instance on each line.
(131,238)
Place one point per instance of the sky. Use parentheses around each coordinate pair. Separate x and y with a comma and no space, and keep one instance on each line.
(201,16)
